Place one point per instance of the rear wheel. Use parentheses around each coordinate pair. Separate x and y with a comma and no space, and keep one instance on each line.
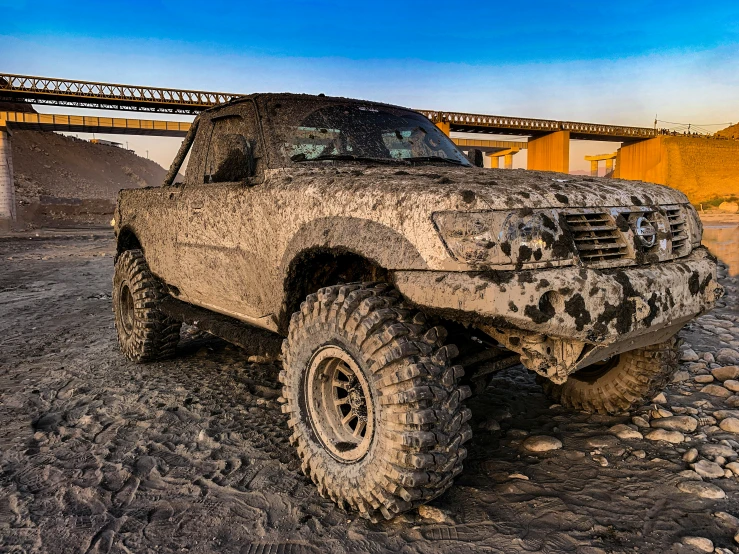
(144,333)
(619,383)
(374,404)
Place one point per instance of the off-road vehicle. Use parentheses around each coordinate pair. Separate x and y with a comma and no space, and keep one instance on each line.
(361,234)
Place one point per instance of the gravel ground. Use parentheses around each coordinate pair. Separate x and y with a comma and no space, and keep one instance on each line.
(100,455)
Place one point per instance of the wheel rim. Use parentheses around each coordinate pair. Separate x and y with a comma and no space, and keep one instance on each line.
(127,309)
(340,405)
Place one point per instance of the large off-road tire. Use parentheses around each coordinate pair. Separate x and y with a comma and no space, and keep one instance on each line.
(619,384)
(374,405)
(144,333)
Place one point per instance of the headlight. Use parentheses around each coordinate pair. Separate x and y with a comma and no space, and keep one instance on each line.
(504,238)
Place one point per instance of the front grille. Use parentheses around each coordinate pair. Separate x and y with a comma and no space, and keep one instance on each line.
(596,236)
(678,228)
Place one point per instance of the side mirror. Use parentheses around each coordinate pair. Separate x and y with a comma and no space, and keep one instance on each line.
(233,159)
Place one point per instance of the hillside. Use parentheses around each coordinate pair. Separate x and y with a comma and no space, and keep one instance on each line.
(731,132)
(53,165)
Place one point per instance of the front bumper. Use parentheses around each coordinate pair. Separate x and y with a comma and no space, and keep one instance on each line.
(608,308)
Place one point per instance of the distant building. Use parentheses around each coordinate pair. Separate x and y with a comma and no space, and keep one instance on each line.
(106,142)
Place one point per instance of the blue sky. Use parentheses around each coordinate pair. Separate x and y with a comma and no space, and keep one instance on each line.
(618,62)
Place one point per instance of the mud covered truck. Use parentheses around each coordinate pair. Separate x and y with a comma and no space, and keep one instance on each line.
(402,277)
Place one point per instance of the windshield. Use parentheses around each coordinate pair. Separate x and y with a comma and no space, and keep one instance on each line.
(316,129)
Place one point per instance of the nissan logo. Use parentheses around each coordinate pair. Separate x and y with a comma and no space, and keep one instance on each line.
(645,231)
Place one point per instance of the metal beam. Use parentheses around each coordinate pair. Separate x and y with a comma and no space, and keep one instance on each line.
(502,125)
(45,90)
(93,124)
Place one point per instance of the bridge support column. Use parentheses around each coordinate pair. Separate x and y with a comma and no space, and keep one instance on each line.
(550,152)
(7,187)
(445,127)
(507,156)
(609,165)
(594,168)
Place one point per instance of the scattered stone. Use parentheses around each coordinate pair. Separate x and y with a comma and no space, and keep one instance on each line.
(703,379)
(674,437)
(716,390)
(732,385)
(728,473)
(730,425)
(686,424)
(689,355)
(720,460)
(490,425)
(601,460)
(701,544)
(711,470)
(639,421)
(639,454)
(713,450)
(660,412)
(733,467)
(690,474)
(542,443)
(723,414)
(729,372)
(520,476)
(736,537)
(691,455)
(727,356)
(660,399)
(624,432)
(435,514)
(603,441)
(517,433)
(680,376)
(727,520)
(704,490)
(733,402)
(708,358)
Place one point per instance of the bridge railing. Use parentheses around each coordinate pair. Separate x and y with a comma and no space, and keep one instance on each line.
(47,90)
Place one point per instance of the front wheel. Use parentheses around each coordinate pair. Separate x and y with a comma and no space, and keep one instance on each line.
(144,333)
(619,383)
(374,404)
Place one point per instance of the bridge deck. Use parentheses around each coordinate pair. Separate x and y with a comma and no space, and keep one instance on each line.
(88,94)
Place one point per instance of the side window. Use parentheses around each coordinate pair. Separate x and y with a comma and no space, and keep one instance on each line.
(230,155)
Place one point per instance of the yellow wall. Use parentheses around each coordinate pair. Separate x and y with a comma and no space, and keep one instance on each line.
(702,168)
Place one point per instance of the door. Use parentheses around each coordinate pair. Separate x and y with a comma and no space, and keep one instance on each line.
(212,205)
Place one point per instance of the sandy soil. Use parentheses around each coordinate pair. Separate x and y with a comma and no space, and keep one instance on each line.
(100,455)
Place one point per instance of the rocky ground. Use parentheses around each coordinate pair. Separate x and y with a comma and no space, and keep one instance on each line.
(100,455)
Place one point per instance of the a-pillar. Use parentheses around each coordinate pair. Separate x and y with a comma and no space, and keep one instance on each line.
(445,127)
(7,188)
(550,152)
(593,168)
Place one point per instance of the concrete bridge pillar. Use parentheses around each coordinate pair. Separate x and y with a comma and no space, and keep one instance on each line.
(507,156)
(593,168)
(7,187)
(609,165)
(550,152)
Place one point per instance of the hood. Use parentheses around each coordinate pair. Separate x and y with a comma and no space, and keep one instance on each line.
(491,189)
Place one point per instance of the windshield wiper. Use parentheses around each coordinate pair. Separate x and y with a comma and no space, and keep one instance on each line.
(434,159)
(346,157)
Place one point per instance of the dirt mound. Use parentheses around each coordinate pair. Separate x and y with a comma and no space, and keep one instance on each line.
(58,166)
(731,132)
(63,181)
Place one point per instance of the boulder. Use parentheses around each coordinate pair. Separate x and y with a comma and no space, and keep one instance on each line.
(542,443)
(685,424)
(726,373)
